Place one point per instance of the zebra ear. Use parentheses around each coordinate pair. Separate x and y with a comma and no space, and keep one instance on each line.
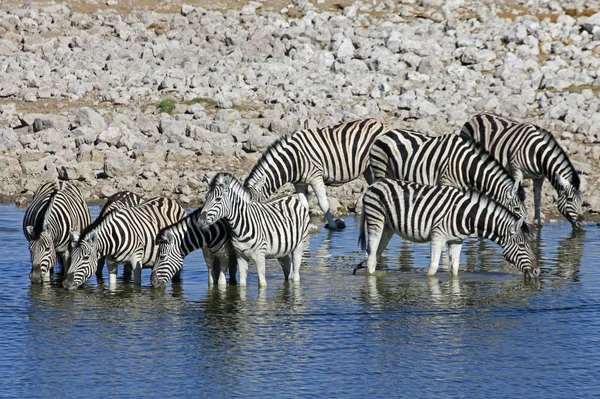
(74,235)
(260,183)
(562,182)
(517,226)
(168,237)
(207,179)
(92,237)
(29,230)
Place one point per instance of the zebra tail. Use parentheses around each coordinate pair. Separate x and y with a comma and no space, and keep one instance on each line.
(362,239)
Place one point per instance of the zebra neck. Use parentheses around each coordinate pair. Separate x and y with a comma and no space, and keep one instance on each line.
(239,214)
(491,220)
(189,235)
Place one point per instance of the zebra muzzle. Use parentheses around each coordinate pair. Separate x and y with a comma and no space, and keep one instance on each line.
(531,273)
(156,282)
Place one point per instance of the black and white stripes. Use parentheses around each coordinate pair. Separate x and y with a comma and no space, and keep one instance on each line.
(124,235)
(272,229)
(445,159)
(440,214)
(56,209)
(175,242)
(530,152)
(331,155)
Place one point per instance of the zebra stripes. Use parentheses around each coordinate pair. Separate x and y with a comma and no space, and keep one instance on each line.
(56,209)
(317,157)
(178,240)
(440,214)
(532,153)
(258,230)
(448,160)
(120,200)
(124,235)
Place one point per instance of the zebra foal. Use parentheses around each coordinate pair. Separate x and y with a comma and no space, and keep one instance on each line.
(439,214)
(319,157)
(272,229)
(56,209)
(175,242)
(531,152)
(125,235)
(446,160)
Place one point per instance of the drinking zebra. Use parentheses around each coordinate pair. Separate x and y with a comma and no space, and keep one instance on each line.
(122,199)
(531,152)
(272,229)
(317,157)
(175,242)
(125,236)
(56,209)
(440,214)
(448,160)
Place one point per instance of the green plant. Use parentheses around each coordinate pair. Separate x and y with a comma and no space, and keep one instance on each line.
(167,106)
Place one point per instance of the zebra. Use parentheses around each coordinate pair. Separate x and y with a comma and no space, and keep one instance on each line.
(447,160)
(440,214)
(56,209)
(124,235)
(531,152)
(122,199)
(259,230)
(317,157)
(175,242)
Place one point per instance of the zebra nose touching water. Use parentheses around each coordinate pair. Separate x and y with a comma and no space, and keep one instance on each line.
(272,229)
(442,215)
(446,159)
(177,241)
(531,152)
(56,209)
(122,236)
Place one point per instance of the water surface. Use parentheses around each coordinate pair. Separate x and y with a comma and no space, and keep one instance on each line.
(487,333)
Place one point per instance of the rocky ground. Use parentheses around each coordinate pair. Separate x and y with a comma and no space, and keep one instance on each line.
(150,95)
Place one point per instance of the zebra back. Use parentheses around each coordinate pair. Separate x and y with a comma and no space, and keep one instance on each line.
(522,145)
(446,159)
(58,207)
(414,210)
(340,153)
(122,199)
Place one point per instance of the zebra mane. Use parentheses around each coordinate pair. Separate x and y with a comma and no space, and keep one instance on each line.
(227,180)
(96,223)
(277,146)
(487,157)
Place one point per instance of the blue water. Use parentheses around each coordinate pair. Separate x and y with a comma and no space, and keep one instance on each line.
(487,333)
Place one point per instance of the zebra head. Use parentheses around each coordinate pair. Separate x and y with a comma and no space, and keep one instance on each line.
(42,254)
(516,249)
(84,259)
(570,200)
(168,261)
(218,200)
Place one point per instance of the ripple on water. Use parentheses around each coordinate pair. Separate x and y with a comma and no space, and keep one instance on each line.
(486,333)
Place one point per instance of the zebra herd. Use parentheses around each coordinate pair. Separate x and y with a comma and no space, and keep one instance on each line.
(438,189)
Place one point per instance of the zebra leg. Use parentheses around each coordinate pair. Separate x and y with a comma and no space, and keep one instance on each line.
(219,271)
(454,251)
(437,246)
(231,262)
(286,265)
(137,273)
(210,261)
(99,268)
(319,189)
(302,188)
(112,272)
(297,260)
(243,269)
(537,199)
(386,236)
(260,268)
